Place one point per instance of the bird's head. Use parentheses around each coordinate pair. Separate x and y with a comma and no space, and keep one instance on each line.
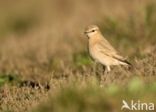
(91,30)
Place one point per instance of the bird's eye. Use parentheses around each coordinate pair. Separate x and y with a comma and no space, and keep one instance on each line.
(93,30)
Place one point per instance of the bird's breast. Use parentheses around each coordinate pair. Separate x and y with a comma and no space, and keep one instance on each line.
(93,51)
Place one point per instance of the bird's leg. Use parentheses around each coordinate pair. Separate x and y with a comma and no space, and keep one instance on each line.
(107,70)
(104,69)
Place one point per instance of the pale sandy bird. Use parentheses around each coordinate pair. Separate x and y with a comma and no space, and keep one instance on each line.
(101,50)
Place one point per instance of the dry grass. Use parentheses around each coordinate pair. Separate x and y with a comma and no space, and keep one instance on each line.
(42,44)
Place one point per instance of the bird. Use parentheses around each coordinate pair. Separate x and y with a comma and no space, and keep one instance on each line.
(101,51)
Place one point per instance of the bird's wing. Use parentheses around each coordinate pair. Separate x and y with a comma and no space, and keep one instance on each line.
(107,49)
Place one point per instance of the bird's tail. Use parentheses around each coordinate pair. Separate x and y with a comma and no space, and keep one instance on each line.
(125,62)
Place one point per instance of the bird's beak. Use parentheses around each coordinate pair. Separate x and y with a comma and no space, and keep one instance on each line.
(85,32)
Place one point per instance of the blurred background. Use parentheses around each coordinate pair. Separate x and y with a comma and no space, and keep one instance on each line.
(43,42)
